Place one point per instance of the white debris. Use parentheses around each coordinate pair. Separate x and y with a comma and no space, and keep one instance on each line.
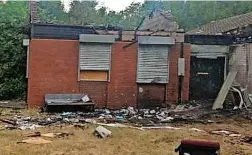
(118,125)
(85,99)
(107,111)
(195,129)
(221,132)
(90,121)
(161,127)
(235,135)
(131,110)
(102,132)
(29,127)
(152,112)
(167,119)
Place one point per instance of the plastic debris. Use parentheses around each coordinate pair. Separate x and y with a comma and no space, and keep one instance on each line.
(85,99)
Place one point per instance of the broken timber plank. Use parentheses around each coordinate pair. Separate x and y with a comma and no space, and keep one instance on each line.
(218,103)
(246,97)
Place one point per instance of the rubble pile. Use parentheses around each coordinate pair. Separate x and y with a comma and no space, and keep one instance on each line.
(188,113)
(130,115)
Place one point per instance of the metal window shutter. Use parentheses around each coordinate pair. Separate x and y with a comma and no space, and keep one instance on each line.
(94,56)
(152,64)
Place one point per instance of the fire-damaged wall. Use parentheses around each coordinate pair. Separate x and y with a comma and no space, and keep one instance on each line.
(240,58)
(53,68)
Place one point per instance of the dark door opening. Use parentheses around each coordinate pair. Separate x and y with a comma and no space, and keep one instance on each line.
(207,76)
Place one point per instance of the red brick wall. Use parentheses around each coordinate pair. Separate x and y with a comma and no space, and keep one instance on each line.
(172,86)
(186,80)
(122,88)
(53,67)
(96,90)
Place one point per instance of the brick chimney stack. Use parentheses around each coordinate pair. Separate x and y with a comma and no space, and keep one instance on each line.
(34,11)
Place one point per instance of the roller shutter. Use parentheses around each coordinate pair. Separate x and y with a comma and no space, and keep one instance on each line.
(94,56)
(152,63)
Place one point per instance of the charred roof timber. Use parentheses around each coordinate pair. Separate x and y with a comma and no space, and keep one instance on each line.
(63,31)
(209,39)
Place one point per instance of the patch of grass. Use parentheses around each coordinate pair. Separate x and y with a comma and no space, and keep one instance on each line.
(124,141)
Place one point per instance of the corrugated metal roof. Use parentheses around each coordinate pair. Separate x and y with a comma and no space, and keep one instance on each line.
(223,25)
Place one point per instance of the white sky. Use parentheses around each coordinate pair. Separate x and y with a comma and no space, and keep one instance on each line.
(115,5)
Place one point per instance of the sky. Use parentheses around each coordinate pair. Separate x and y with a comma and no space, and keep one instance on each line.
(115,5)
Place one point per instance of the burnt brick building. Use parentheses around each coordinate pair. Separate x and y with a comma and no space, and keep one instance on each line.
(112,67)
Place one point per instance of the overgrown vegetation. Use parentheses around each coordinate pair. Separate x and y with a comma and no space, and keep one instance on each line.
(14,16)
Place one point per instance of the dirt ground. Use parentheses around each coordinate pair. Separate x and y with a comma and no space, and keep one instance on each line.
(125,141)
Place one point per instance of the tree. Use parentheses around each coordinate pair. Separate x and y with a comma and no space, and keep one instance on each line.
(13,18)
(192,14)
(83,12)
(53,11)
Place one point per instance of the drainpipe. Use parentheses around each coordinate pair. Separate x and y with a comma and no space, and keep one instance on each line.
(181,72)
(26,43)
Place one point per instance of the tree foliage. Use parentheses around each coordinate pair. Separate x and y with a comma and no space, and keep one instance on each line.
(53,12)
(189,14)
(192,14)
(13,18)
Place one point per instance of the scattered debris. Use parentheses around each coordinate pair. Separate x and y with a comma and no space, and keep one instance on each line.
(4,102)
(218,104)
(50,135)
(129,117)
(85,99)
(195,129)
(35,134)
(102,132)
(223,132)
(56,135)
(13,105)
(81,126)
(247,139)
(8,122)
(235,135)
(161,127)
(36,140)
